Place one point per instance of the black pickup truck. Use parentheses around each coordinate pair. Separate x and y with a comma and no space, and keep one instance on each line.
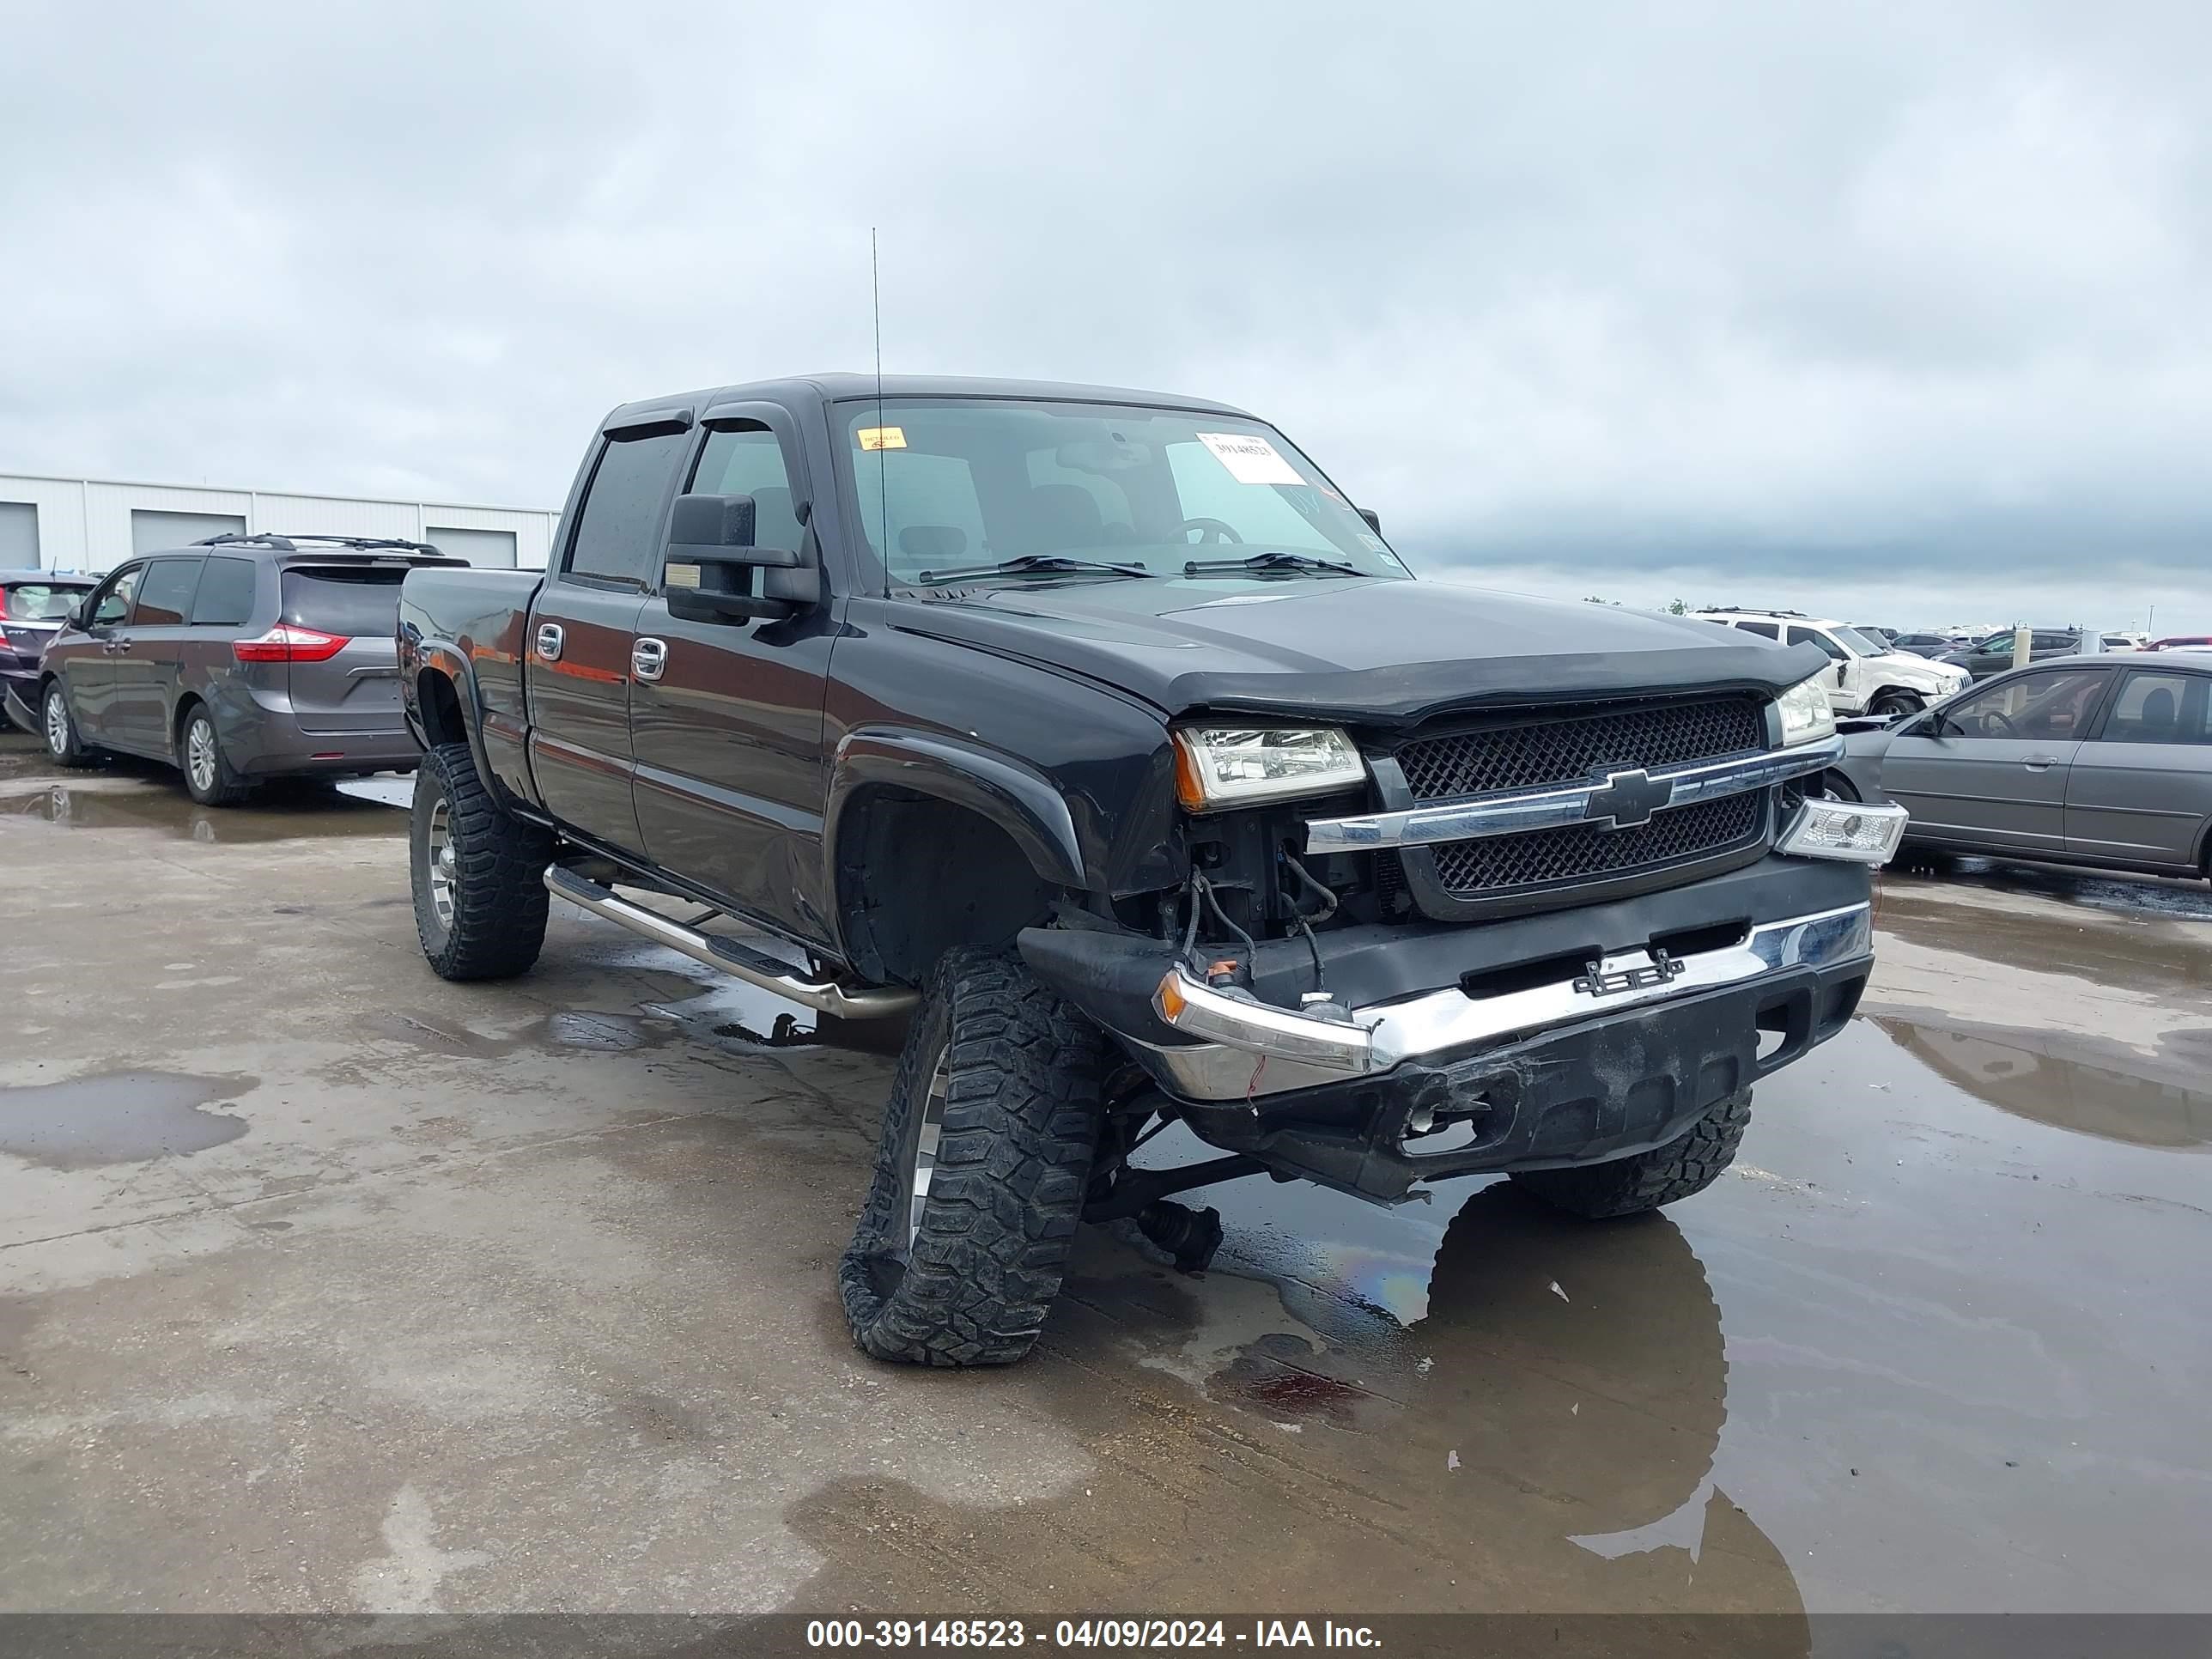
(1099,735)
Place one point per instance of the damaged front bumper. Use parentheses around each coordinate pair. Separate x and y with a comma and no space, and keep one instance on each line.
(1566,1038)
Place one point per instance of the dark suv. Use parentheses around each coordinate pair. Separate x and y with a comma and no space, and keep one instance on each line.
(237,659)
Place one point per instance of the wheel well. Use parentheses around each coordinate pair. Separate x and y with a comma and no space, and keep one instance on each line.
(917,875)
(1897,691)
(1838,786)
(438,702)
(178,716)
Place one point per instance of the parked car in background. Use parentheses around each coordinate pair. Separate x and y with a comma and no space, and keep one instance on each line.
(2090,760)
(2180,642)
(1884,637)
(33,606)
(1993,654)
(1927,645)
(2119,641)
(1867,677)
(237,659)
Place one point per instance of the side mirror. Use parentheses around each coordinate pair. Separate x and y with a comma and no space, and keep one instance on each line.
(1374,518)
(1843,673)
(80,614)
(708,573)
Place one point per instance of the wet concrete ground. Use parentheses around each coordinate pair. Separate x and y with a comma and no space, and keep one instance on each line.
(323,1284)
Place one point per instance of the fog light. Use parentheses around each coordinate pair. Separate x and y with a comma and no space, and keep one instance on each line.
(1845,829)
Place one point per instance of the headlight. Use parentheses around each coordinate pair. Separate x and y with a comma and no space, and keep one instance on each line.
(1806,716)
(1219,766)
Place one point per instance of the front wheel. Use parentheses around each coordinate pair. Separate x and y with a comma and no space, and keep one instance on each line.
(1899,703)
(478,873)
(59,726)
(1689,1163)
(981,1171)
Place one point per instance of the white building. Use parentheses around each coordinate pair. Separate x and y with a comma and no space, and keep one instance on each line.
(90,523)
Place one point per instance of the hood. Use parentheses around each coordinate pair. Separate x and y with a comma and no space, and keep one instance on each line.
(1909,666)
(1361,651)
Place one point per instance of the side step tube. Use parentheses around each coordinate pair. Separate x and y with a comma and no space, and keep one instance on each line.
(754,967)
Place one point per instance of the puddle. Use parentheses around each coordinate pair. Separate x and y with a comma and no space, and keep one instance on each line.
(118,1117)
(2092,1085)
(285,812)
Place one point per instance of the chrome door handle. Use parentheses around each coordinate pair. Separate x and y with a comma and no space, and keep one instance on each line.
(549,641)
(648,659)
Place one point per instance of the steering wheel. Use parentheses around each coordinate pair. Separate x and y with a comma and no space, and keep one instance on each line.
(1210,531)
(1997,717)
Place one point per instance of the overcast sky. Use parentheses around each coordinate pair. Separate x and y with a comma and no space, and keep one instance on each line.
(1903,311)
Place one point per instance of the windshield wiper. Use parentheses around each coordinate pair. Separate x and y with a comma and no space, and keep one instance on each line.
(1273,561)
(1048,562)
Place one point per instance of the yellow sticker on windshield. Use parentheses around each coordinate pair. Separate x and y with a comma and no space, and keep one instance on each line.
(882,437)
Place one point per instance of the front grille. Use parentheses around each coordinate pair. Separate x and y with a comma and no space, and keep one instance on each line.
(1573,748)
(1583,852)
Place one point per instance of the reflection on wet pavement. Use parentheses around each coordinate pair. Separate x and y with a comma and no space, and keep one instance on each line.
(277,812)
(2092,1086)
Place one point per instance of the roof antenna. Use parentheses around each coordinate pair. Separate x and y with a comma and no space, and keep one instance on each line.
(882,483)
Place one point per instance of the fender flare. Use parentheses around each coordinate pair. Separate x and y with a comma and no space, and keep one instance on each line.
(1015,796)
(439,656)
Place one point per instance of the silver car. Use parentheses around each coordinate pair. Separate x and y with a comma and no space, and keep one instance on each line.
(2083,760)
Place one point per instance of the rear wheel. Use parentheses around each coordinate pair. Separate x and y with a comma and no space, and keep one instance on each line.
(208,777)
(1689,1163)
(59,726)
(478,873)
(981,1171)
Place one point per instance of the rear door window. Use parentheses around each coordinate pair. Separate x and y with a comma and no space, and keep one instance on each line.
(354,603)
(1765,630)
(225,598)
(165,597)
(617,537)
(1814,635)
(2160,708)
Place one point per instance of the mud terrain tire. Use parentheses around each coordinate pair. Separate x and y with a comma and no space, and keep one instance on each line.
(486,920)
(1689,1163)
(1008,1076)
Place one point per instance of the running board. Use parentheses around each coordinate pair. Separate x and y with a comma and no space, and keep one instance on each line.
(754,967)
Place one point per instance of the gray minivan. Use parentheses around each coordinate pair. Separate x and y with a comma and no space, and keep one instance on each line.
(237,659)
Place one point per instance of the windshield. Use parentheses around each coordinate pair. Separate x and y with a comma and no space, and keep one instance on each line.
(43,601)
(1855,641)
(967,483)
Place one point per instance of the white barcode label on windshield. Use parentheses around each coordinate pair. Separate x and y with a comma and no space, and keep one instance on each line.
(1249,460)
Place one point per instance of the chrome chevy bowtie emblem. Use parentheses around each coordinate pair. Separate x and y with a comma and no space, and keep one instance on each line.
(1627,800)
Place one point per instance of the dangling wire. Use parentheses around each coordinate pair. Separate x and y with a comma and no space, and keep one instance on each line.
(1205,892)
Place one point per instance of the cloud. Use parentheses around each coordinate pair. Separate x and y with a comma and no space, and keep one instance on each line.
(1758,289)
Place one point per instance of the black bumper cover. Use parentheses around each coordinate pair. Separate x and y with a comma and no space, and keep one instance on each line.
(1602,1089)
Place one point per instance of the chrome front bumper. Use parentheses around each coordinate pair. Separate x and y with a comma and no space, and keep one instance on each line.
(1297,1051)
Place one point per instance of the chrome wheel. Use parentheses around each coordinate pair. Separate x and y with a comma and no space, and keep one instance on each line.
(199,754)
(922,1152)
(58,724)
(444,862)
